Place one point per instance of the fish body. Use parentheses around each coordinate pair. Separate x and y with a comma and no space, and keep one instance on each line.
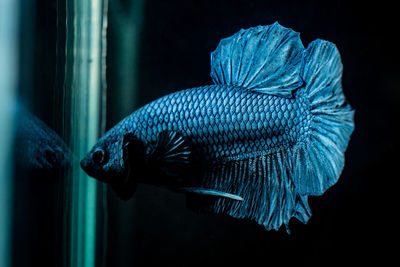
(270,131)
(224,122)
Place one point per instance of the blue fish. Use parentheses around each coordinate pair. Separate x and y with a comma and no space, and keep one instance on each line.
(271,131)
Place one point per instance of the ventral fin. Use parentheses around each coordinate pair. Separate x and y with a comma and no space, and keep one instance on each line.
(210,192)
(171,153)
(265,59)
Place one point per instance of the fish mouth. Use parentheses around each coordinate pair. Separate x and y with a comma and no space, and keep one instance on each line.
(90,170)
(93,172)
(122,183)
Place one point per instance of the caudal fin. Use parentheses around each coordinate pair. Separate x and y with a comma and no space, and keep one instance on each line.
(320,161)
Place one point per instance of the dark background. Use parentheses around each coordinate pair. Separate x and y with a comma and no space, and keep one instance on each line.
(353,222)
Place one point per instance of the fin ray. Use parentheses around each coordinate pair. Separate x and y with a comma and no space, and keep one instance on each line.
(332,119)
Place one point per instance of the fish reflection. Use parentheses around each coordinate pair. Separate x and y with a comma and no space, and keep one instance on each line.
(37,147)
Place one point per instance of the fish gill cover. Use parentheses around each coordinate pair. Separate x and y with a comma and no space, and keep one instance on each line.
(271,131)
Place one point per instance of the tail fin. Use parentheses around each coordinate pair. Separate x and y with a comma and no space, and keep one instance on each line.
(321,161)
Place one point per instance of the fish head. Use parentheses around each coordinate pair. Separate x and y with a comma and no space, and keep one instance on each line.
(108,162)
(38,148)
(104,161)
(41,156)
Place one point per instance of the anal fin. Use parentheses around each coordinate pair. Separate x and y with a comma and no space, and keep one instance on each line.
(264,184)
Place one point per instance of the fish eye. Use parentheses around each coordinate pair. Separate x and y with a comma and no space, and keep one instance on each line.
(50,156)
(99,156)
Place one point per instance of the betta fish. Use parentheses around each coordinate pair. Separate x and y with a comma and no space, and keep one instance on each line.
(38,149)
(270,131)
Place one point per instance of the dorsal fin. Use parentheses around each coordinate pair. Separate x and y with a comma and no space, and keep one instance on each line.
(265,59)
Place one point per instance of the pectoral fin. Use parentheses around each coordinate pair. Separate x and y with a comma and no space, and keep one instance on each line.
(171,154)
(210,192)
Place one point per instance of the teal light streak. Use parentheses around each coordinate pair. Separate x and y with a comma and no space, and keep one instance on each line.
(84,90)
(9,10)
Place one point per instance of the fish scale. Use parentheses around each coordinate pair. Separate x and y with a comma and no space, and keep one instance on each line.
(219,128)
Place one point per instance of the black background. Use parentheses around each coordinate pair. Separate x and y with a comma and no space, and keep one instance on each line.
(353,222)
